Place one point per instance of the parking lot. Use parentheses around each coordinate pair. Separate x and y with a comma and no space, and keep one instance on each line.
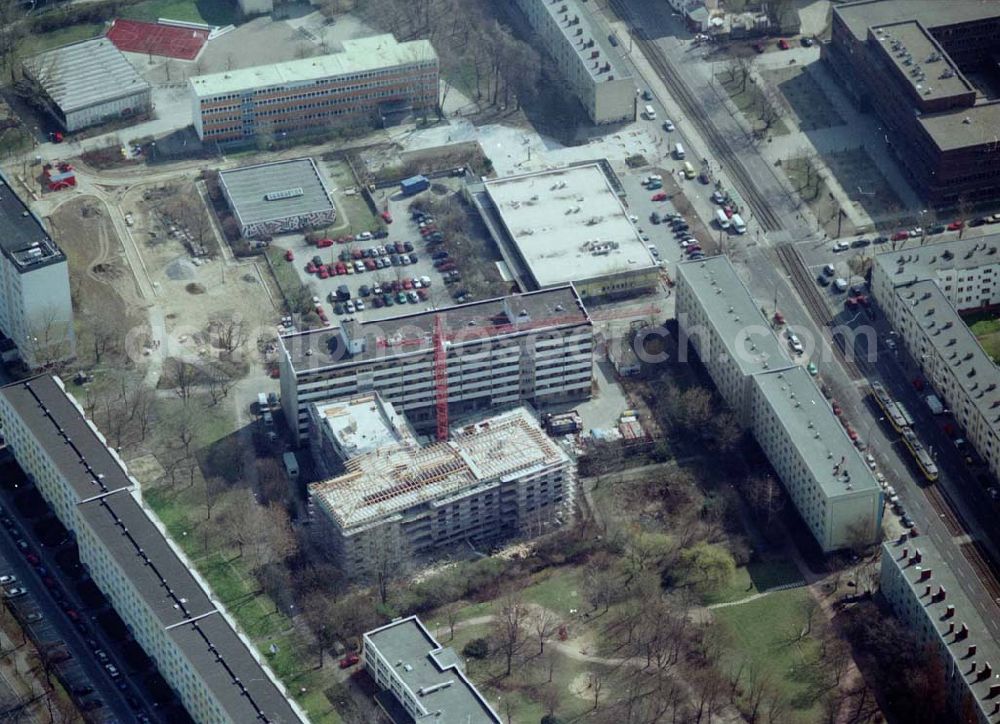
(399,264)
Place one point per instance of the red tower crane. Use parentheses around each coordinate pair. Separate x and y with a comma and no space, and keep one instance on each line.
(440,380)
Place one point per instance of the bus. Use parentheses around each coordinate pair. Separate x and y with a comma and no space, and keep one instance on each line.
(689,172)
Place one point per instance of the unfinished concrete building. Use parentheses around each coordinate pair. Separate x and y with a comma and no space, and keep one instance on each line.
(493,480)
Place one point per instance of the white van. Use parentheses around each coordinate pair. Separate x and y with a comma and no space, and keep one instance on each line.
(737,223)
(678,151)
(262,402)
(649,113)
(722,219)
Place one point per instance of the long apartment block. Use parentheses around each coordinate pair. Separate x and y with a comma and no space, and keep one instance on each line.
(372,78)
(36,312)
(586,61)
(926,596)
(922,292)
(500,353)
(492,480)
(821,470)
(216,672)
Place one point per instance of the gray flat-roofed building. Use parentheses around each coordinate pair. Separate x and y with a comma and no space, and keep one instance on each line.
(569,225)
(822,471)
(274,198)
(216,673)
(535,347)
(591,67)
(926,596)
(777,400)
(36,311)
(89,82)
(423,678)
(923,292)
(717,315)
(910,61)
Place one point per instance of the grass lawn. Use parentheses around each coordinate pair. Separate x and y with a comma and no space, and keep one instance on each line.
(351,208)
(754,578)
(558,590)
(37,42)
(285,275)
(986,327)
(765,633)
(211,12)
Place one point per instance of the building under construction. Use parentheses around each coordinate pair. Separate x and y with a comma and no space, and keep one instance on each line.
(492,480)
(497,353)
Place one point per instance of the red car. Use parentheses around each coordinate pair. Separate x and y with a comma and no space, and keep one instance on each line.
(662,196)
(956,225)
(728,211)
(289,255)
(852,433)
(918,384)
(349,661)
(836,408)
(783,44)
(340,268)
(33,559)
(386,217)
(310,268)
(357,253)
(370,264)
(323,273)
(900,236)
(324,243)
(407,283)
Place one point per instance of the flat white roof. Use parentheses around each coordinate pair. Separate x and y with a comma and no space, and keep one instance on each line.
(364,424)
(568,225)
(360,54)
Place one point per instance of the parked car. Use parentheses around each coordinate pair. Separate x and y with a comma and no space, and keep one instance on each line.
(783,44)
(662,196)
(668,126)
(349,661)
(956,225)
(841,246)
(14,592)
(880,239)
(860,243)
(823,280)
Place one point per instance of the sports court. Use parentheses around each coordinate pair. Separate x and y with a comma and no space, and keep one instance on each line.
(172,41)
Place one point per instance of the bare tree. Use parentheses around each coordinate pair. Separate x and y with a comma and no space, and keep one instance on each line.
(543,624)
(13,28)
(230,331)
(451,612)
(765,496)
(182,377)
(508,626)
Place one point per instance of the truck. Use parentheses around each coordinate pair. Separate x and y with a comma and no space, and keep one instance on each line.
(935,404)
(414,185)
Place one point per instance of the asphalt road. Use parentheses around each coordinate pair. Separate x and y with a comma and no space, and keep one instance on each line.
(769,284)
(29,576)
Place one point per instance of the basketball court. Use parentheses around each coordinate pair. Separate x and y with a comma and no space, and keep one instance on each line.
(171,41)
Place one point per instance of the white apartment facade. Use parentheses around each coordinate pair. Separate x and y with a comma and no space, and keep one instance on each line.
(216,672)
(717,315)
(36,311)
(426,679)
(926,596)
(492,480)
(821,470)
(535,347)
(586,61)
(823,473)
(922,291)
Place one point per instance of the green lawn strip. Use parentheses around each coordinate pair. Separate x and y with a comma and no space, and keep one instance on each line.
(752,579)
(558,590)
(210,12)
(765,633)
(438,621)
(284,273)
(352,206)
(37,42)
